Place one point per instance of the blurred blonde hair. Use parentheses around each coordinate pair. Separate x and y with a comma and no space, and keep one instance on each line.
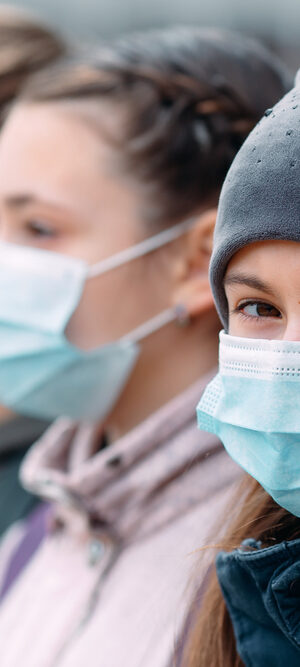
(26,45)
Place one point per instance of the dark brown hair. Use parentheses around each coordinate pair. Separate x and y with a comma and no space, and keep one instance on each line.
(26,45)
(191,97)
(210,637)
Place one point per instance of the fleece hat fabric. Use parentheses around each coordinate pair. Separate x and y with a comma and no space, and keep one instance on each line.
(260,198)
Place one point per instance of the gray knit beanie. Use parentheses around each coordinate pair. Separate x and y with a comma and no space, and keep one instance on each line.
(260,198)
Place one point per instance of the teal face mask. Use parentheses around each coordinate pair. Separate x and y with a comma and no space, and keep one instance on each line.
(41,373)
(253,405)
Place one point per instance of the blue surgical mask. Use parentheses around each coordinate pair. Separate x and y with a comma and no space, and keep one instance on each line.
(41,373)
(253,405)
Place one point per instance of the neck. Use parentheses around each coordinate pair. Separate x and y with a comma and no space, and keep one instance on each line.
(170,361)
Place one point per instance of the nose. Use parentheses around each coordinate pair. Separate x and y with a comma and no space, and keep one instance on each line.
(292,330)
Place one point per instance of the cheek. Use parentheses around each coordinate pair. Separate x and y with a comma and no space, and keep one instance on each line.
(109,308)
(233,327)
(91,324)
(239,327)
(268,329)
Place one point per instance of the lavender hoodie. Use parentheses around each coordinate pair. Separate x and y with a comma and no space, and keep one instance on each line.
(108,587)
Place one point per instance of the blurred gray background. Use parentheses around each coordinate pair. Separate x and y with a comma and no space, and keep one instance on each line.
(277,23)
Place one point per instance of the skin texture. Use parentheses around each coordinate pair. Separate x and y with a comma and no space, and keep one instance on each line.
(262,285)
(60,190)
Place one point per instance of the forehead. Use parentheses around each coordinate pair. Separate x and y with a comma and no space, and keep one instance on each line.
(266,256)
(39,133)
(54,155)
(49,149)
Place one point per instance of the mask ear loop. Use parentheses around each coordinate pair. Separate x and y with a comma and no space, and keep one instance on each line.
(176,314)
(141,249)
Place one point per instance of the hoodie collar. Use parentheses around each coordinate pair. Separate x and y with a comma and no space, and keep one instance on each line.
(134,486)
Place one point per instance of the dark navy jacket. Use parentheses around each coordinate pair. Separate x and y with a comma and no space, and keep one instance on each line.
(261,588)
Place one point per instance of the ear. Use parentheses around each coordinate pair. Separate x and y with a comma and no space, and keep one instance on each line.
(192,290)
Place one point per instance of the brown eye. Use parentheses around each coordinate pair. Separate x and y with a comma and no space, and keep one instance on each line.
(259,309)
(38,228)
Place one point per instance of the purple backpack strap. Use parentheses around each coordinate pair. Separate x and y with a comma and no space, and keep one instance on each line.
(36,525)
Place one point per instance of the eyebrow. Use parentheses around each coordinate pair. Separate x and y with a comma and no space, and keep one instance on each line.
(250,281)
(20,200)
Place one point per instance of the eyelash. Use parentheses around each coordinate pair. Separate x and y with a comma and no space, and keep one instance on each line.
(253,318)
(40,229)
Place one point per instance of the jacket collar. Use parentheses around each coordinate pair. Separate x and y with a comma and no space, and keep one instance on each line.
(262,592)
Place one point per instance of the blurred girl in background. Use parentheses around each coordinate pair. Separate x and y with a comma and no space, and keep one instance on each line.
(110,172)
(26,45)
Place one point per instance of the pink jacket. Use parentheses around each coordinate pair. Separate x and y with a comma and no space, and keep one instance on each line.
(108,586)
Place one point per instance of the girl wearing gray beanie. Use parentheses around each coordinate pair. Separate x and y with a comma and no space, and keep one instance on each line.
(250,614)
